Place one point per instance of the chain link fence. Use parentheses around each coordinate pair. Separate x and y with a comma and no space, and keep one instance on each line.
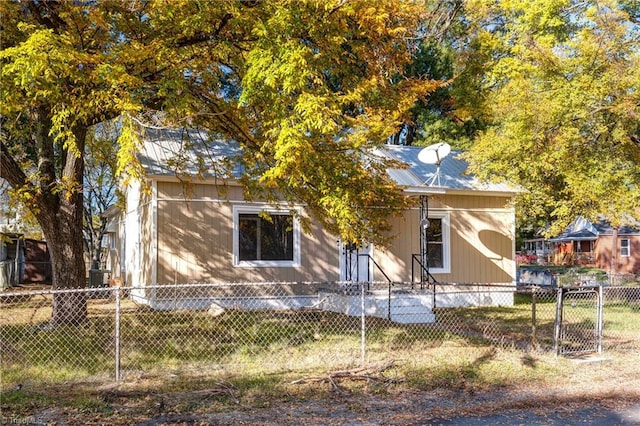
(262,327)
(584,318)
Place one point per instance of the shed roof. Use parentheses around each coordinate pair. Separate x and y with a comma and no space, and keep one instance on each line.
(167,152)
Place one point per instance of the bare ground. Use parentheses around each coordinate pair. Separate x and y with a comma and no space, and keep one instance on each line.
(592,393)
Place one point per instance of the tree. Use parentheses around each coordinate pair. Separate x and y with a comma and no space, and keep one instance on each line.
(562,81)
(100,190)
(449,113)
(305,87)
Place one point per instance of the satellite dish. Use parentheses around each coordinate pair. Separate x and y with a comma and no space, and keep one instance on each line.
(434,154)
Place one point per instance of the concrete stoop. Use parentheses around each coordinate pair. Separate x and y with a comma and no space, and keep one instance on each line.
(405,308)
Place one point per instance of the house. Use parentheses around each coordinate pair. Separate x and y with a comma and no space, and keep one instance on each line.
(207,232)
(592,244)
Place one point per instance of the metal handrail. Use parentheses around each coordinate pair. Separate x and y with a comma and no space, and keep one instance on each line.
(370,258)
(415,258)
(367,255)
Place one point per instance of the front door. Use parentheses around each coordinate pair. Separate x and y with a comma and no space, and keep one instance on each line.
(355,262)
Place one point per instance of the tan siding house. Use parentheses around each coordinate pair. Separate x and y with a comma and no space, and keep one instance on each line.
(478,243)
(206,232)
(195,240)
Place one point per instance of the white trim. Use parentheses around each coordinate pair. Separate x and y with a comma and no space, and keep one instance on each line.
(131,234)
(628,247)
(122,268)
(514,270)
(424,190)
(509,193)
(445,217)
(154,232)
(253,208)
(509,210)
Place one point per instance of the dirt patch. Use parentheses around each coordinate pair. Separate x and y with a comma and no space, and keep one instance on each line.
(401,408)
(320,403)
(380,394)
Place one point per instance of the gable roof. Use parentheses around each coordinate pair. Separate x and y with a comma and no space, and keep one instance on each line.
(583,229)
(604,228)
(167,152)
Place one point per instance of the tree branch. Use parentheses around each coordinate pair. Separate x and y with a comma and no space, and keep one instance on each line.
(44,12)
(204,37)
(10,170)
(368,373)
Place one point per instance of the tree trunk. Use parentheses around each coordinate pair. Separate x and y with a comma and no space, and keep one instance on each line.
(60,215)
(69,271)
(614,253)
(56,202)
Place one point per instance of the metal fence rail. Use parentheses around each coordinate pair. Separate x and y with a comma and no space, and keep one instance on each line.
(292,326)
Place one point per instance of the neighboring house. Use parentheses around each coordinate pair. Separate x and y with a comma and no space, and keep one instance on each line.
(591,244)
(207,232)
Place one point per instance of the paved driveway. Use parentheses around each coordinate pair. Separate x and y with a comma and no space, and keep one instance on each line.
(587,416)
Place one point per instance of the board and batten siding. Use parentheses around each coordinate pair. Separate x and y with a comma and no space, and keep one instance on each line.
(195,240)
(187,231)
(481,237)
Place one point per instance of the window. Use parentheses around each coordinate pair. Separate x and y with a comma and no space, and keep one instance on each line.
(438,243)
(265,238)
(625,247)
(435,243)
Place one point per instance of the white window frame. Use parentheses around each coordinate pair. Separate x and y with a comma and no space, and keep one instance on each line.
(445,217)
(248,209)
(623,247)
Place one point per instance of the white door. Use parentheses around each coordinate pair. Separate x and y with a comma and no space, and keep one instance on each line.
(356,263)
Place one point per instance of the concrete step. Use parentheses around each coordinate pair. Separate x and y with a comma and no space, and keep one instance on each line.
(413,318)
(411,311)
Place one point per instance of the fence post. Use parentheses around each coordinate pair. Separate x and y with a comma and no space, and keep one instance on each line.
(363,337)
(558,324)
(117,333)
(389,303)
(600,325)
(534,340)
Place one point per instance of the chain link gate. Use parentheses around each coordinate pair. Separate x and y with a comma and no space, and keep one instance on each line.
(579,320)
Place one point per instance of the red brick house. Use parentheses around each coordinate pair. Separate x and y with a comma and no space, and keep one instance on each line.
(596,244)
